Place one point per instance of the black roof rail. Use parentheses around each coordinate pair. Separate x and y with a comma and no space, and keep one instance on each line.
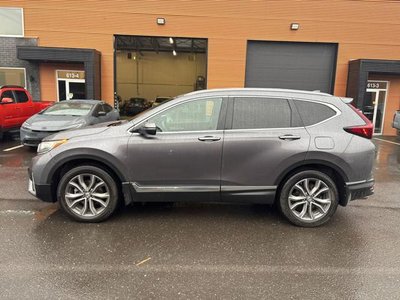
(11,86)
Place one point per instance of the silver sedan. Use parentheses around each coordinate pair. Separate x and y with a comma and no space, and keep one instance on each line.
(65,115)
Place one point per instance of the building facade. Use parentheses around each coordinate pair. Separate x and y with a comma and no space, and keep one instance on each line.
(117,50)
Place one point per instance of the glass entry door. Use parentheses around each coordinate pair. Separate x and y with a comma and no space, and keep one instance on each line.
(374,104)
(70,85)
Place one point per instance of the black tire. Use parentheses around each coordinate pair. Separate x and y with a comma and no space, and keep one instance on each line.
(88,170)
(289,185)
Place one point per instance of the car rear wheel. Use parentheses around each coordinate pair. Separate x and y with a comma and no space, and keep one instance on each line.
(309,198)
(88,194)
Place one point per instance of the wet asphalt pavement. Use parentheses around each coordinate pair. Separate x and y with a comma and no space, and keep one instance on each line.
(199,250)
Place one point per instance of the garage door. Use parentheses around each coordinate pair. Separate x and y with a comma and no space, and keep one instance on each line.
(304,66)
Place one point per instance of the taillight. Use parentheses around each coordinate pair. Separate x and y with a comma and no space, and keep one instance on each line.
(364,131)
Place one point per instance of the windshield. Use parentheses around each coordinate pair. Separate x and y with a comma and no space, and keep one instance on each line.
(68,109)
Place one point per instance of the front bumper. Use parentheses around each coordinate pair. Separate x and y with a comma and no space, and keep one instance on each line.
(33,138)
(360,190)
(40,191)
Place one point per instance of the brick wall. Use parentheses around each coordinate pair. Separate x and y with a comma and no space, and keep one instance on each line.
(8,58)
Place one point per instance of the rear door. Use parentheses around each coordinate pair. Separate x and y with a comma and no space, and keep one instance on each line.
(11,111)
(264,137)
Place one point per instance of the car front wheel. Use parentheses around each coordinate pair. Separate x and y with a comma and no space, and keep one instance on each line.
(309,198)
(88,194)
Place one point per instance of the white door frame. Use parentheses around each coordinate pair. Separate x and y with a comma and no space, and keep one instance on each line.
(377,91)
(67,81)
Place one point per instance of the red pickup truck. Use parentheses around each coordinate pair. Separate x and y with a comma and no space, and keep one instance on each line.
(16,105)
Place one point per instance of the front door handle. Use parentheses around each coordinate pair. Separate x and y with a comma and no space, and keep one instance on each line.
(289,137)
(209,138)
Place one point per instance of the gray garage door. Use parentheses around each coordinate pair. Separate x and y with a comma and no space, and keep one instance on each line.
(304,66)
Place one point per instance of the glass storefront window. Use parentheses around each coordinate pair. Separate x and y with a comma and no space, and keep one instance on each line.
(12,21)
(12,76)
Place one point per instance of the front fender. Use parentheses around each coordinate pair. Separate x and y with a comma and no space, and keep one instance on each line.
(89,154)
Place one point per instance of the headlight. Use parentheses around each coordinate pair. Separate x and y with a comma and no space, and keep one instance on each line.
(26,125)
(49,145)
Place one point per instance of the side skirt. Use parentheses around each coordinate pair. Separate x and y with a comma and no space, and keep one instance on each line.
(134,192)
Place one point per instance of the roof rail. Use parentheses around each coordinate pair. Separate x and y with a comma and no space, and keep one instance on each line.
(260,90)
(11,86)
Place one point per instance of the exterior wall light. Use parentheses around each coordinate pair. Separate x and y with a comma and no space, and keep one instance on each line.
(171,40)
(160,21)
(294,26)
(174,53)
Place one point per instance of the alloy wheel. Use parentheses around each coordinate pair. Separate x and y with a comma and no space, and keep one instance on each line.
(87,195)
(310,199)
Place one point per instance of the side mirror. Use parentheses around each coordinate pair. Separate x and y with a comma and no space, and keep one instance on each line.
(148,129)
(7,100)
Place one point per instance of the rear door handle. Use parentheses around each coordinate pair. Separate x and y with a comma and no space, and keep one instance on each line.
(289,137)
(209,138)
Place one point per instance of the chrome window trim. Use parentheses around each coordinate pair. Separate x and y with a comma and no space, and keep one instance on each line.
(338,112)
(188,132)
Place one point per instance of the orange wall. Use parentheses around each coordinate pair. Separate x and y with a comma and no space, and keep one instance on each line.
(363,29)
(48,78)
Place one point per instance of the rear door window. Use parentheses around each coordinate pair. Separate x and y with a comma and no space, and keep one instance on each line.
(262,112)
(312,112)
(22,97)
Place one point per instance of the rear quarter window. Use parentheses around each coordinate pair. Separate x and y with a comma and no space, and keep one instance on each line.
(312,112)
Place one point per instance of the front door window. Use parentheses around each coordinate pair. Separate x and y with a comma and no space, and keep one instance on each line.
(374,104)
(198,115)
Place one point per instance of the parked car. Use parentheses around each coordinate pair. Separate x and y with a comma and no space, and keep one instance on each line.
(396,122)
(16,105)
(65,115)
(307,152)
(134,106)
(160,100)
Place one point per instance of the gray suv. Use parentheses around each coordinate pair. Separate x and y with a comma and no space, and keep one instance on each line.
(307,152)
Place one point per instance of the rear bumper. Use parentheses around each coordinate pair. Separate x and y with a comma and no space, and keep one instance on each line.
(360,190)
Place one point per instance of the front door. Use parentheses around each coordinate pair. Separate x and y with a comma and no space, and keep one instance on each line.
(375,103)
(184,157)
